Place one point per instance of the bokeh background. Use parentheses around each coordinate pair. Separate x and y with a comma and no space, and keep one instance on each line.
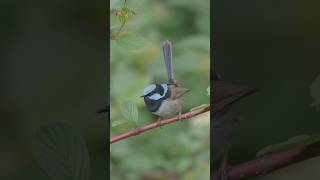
(272,46)
(179,150)
(54,68)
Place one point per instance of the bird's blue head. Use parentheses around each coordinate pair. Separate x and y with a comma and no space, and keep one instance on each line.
(156,91)
(154,94)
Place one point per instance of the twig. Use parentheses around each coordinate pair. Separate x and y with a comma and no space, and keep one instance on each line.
(271,162)
(119,30)
(157,124)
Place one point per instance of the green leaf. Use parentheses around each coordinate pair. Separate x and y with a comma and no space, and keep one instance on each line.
(130,111)
(62,153)
(300,140)
(126,14)
(200,107)
(131,42)
(119,122)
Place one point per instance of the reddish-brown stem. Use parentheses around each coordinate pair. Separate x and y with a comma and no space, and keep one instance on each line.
(271,162)
(157,124)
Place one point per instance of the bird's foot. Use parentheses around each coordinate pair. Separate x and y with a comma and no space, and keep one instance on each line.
(180,117)
(159,122)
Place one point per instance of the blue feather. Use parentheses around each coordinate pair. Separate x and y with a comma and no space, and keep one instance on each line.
(165,87)
(156,96)
(149,89)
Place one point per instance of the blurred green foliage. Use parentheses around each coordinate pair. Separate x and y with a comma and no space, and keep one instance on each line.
(180,150)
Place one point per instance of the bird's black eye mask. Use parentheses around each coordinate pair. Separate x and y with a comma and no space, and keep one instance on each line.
(159,89)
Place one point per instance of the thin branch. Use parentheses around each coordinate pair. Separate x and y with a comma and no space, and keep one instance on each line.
(119,30)
(158,124)
(271,162)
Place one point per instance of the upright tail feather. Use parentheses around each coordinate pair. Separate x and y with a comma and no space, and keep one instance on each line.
(167,54)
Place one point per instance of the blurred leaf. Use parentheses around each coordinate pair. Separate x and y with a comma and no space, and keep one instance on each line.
(119,122)
(293,142)
(202,106)
(132,42)
(62,153)
(130,111)
(208,90)
(126,14)
(122,126)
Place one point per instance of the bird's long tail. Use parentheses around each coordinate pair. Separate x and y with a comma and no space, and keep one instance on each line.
(167,54)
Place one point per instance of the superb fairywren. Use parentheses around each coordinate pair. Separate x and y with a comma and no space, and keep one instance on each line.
(165,100)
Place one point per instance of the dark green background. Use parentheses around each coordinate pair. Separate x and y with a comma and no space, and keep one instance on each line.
(54,68)
(272,46)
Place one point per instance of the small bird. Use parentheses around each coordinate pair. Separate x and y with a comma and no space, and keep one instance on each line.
(165,100)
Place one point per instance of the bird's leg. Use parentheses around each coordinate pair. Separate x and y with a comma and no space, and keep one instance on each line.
(179,116)
(159,121)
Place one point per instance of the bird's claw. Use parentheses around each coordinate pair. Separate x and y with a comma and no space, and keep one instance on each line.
(159,122)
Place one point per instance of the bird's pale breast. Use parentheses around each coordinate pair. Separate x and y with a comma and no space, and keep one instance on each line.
(170,107)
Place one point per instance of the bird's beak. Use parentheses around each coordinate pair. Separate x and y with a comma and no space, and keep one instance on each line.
(142,96)
(179,91)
